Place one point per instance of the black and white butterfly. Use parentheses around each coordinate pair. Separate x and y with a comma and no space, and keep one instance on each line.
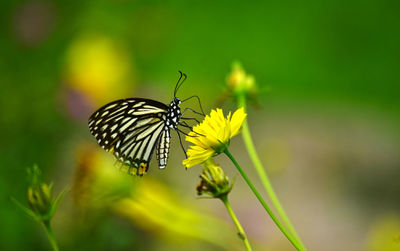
(132,128)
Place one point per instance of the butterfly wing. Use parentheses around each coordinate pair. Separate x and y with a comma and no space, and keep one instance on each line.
(130,129)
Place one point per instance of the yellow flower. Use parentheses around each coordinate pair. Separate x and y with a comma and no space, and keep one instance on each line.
(213,135)
(98,67)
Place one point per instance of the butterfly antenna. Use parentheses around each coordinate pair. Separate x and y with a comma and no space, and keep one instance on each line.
(183,80)
(179,83)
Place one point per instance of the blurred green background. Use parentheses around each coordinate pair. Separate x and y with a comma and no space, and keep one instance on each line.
(326,124)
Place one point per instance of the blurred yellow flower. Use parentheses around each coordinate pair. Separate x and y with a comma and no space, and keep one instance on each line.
(96,183)
(239,81)
(98,67)
(148,204)
(384,234)
(212,135)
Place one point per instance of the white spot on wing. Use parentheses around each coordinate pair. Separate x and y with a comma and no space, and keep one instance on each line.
(150,130)
(111,106)
(143,146)
(145,111)
(114,127)
(139,104)
(154,137)
(144,121)
(126,119)
(127,125)
(117,111)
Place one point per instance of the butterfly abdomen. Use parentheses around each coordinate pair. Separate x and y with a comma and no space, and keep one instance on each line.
(163,148)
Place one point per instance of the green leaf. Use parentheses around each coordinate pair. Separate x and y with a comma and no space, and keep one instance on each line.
(25,209)
(57,201)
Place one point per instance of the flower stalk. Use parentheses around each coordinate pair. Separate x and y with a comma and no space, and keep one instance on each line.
(242,86)
(50,235)
(241,233)
(241,100)
(261,200)
(216,184)
(42,205)
(212,137)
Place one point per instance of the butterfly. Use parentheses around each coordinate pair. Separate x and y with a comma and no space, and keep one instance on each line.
(132,128)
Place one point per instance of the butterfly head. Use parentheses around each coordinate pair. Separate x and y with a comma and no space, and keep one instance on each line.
(174,113)
(176,101)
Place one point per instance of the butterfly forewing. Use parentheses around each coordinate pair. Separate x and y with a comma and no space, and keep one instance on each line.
(130,129)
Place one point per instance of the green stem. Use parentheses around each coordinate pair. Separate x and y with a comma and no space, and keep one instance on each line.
(263,175)
(50,235)
(257,194)
(241,233)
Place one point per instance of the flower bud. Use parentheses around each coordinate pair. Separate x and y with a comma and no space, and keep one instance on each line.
(40,199)
(213,182)
(238,81)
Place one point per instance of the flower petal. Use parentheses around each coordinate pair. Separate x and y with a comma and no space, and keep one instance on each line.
(237,121)
(197,155)
(211,135)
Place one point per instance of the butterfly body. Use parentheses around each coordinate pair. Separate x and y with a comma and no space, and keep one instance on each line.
(131,129)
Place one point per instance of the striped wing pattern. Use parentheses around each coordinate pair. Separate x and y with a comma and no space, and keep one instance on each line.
(131,129)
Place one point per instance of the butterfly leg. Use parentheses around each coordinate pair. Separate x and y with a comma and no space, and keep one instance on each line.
(189,109)
(198,122)
(184,124)
(198,99)
(180,141)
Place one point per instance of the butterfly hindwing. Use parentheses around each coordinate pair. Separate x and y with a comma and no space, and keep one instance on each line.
(130,129)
